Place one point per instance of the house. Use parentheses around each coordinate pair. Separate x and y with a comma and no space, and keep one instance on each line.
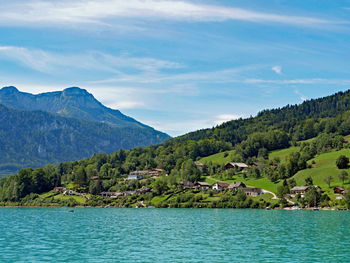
(236,185)
(108,194)
(94,178)
(127,193)
(240,166)
(257,164)
(218,186)
(338,190)
(155,172)
(60,189)
(200,166)
(202,185)
(134,177)
(144,190)
(140,172)
(299,190)
(152,172)
(68,192)
(187,184)
(252,191)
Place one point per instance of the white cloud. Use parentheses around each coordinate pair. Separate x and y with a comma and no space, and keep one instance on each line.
(302,97)
(49,61)
(277,69)
(122,105)
(219,76)
(225,118)
(102,12)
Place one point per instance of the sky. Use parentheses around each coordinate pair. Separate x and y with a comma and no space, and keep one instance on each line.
(179,66)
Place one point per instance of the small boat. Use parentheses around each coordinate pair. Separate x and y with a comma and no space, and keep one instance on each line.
(71,211)
(268,208)
(315,209)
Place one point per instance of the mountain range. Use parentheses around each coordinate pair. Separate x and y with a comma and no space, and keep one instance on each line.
(62,126)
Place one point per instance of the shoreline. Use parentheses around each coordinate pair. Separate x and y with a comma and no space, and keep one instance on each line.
(105,207)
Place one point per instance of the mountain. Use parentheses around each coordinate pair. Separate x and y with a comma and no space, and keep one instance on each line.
(36,130)
(250,140)
(72,102)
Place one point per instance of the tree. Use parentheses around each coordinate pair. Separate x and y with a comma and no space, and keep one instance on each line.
(160,186)
(189,171)
(342,162)
(309,181)
(283,190)
(80,175)
(312,197)
(328,180)
(292,183)
(343,176)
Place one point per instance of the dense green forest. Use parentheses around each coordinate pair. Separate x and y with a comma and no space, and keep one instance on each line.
(250,140)
(301,122)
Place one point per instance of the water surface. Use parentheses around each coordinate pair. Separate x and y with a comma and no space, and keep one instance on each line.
(173,235)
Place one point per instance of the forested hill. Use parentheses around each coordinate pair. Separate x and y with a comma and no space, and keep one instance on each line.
(287,119)
(71,102)
(37,138)
(248,140)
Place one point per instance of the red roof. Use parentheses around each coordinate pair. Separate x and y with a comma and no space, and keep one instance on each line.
(223,185)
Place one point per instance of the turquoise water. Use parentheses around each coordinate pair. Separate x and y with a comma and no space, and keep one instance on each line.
(173,235)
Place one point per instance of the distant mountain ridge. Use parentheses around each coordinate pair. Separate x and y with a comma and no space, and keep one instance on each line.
(54,127)
(72,102)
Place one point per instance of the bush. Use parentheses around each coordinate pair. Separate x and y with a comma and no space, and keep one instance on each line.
(342,162)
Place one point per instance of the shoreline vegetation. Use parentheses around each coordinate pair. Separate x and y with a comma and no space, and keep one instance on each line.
(108,207)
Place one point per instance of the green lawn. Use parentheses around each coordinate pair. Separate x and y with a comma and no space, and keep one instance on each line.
(282,154)
(266,197)
(263,183)
(218,158)
(325,166)
(158,199)
(49,194)
(80,199)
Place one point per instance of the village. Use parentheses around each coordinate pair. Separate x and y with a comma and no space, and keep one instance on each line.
(217,187)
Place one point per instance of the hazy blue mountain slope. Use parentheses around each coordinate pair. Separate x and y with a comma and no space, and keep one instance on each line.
(36,138)
(71,102)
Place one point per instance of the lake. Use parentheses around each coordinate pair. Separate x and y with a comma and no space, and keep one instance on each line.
(173,235)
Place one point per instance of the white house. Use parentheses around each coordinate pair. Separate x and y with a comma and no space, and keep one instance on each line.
(134,177)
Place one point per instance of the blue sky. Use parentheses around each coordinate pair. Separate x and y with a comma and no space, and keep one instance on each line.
(179,66)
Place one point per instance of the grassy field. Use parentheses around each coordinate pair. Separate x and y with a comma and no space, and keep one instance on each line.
(282,154)
(158,199)
(324,166)
(79,199)
(49,194)
(218,158)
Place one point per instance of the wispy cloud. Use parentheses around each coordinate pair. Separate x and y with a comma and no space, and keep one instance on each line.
(217,76)
(49,61)
(277,69)
(302,97)
(70,12)
(311,81)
